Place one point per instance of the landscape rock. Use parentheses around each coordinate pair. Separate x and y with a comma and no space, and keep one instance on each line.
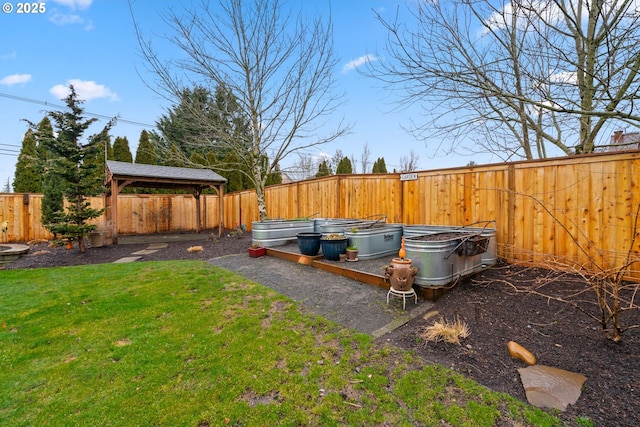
(548,387)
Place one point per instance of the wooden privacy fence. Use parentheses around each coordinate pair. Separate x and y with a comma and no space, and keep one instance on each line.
(137,214)
(579,209)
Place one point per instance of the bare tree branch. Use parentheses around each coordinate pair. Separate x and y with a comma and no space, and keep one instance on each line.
(515,77)
(280,67)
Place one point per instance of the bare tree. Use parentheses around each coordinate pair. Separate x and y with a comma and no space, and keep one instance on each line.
(304,168)
(336,159)
(409,163)
(365,158)
(278,67)
(516,77)
(602,276)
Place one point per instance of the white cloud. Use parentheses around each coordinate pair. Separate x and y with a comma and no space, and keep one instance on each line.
(12,55)
(66,19)
(71,18)
(86,90)
(15,79)
(352,65)
(323,156)
(567,77)
(75,4)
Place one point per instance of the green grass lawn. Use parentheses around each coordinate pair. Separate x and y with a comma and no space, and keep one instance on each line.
(183,343)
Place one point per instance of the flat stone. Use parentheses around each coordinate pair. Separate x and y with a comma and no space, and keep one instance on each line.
(157,246)
(145,252)
(548,387)
(11,251)
(127,259)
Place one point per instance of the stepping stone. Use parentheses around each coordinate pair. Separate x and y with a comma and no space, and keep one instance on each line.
(127,259)
(548,387)
(145,252)
(157,246)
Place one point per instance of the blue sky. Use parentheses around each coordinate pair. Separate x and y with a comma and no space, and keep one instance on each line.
(91,43)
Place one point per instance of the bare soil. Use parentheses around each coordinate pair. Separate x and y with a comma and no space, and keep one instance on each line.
(558,334)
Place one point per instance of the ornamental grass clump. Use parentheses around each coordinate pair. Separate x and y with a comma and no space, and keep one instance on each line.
(443,330)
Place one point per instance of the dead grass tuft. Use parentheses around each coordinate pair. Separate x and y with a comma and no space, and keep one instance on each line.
(443,330)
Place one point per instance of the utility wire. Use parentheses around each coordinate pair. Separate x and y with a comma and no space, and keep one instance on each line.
(88,113)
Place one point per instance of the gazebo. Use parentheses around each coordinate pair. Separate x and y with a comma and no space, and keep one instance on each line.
(123,174)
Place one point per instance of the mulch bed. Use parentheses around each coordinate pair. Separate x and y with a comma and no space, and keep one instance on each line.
(558,334)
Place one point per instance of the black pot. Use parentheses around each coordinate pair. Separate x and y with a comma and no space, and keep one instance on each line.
(309,243)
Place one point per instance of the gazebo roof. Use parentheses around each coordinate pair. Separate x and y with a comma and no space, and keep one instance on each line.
(143,175)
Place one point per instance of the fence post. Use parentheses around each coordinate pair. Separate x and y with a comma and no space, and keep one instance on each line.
(511,210)
(26,218)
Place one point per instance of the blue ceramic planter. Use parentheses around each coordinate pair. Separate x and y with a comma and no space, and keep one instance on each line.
(309,243)
(332,248)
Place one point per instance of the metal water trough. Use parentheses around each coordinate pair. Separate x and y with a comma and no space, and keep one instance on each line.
(376,240)
(489,258)
(443,257)
(279,232)
(336,225)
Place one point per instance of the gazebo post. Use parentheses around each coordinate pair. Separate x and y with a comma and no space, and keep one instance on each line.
(115,190)
(196,194)
(220,208)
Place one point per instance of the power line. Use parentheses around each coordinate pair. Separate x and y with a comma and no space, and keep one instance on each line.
(88,113)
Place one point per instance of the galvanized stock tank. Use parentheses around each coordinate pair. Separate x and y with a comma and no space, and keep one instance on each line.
(489,258)
(375,240)
(278,232)
(442,258)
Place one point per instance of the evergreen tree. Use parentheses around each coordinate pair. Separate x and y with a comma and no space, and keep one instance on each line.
(197,159)
(121,150)
(52,183)
(44,136)
(344,166)
(52,200)
(27,178)
(235,178)
(379,166)
(174,157)
(274,177)
(7,187)
(323,169)
(78,175)
(146,154)
(122,153)
(179,131)
(97,156)
(213,126)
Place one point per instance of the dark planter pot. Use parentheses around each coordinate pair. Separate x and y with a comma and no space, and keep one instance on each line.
(309,243)
(332,248)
